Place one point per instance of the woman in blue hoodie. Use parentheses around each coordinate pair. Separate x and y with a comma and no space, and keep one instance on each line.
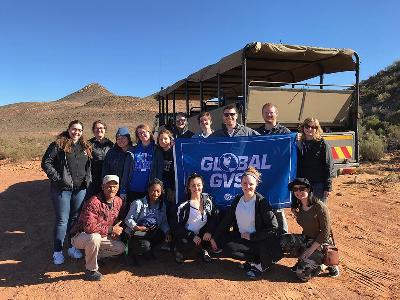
(137,167)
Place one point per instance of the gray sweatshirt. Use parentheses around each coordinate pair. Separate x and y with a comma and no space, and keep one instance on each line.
(141,209)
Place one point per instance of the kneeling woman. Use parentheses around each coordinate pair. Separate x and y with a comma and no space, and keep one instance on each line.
(313,216)
(146,222)
(196,220)
(254,237)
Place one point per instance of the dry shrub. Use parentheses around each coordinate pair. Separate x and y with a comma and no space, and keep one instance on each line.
(23,148)
(372,147)
(394,137)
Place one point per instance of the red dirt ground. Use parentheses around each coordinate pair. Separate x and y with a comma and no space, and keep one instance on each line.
(365,210)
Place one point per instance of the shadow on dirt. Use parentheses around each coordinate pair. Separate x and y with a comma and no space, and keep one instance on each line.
(26,225)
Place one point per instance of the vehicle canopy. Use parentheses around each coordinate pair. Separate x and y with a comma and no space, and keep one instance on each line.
(263,62)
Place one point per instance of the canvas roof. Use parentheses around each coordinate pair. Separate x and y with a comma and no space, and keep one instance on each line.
(265,62)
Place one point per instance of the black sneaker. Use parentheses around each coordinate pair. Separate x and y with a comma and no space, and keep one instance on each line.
(333,271)
(246,266)
(93,276)
(206,256)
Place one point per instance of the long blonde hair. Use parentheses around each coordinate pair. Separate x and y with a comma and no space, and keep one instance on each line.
(318,132)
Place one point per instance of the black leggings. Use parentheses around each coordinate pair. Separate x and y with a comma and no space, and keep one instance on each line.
(145,244)
(186,245)
(266,251)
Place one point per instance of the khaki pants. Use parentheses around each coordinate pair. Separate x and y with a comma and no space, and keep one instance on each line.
(95,247)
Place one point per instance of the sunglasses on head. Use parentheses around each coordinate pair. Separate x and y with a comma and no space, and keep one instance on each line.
(310,127)
(229,114)
(299,188)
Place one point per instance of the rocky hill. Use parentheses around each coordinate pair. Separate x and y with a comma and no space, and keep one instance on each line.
(380,95)
(27,128)
(88,93)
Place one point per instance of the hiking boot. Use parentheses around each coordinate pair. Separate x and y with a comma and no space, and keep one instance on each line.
(58,258)
(206,256)
(333,271)
(74,253)
(93,276)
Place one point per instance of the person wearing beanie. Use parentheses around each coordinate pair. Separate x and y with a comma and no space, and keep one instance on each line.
(116,156)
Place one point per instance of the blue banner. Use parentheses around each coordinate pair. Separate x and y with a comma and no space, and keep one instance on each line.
(222,161)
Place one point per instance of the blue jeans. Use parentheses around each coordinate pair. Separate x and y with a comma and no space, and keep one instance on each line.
(67,205)
(318,191)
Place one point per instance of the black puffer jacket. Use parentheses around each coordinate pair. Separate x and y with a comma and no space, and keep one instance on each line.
(314,162)
(265,220)
(54,164)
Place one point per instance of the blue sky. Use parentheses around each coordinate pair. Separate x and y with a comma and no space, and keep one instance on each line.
(49,48)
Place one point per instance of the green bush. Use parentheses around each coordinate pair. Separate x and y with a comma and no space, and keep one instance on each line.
(393,137)
(372,147)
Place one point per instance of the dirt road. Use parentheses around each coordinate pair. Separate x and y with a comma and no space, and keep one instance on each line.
(365,211)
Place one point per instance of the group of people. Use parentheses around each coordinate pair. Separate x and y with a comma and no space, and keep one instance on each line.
(119,199)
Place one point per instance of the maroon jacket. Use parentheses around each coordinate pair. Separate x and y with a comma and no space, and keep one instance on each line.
(96,215)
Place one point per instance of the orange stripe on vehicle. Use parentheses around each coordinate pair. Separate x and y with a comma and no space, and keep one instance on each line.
(334,153)
(338,137)
(346,151)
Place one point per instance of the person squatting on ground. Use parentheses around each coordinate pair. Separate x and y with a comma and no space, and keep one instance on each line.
(96,230)
(205,121)
(67,165)
(180,129)
(254,235)
(314,159)
(135,179)
(100,147)
(196,221)
(115,159)
(270,115)
(146,223)
(231,128)
(313,217)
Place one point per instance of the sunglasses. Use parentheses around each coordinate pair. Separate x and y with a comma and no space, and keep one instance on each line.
(299,188)
(229,115)
(310,127)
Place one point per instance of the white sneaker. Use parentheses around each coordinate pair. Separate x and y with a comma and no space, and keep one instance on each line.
(58,258)
(74,253)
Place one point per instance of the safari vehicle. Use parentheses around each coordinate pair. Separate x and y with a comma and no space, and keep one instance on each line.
(291,77)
